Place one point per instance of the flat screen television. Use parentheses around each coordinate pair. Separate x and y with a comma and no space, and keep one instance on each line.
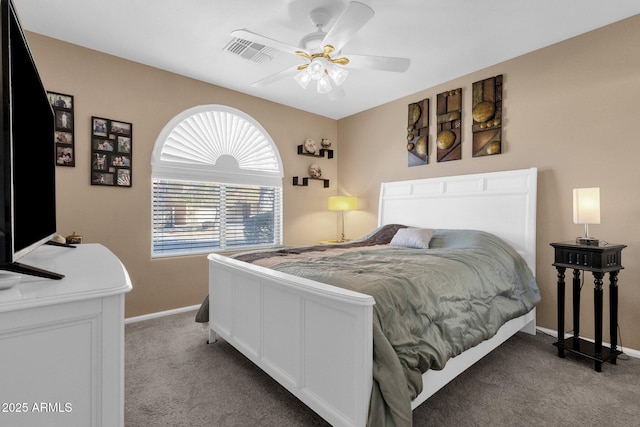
(27,151)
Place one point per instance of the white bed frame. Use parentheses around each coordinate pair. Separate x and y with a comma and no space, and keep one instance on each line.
(316,339)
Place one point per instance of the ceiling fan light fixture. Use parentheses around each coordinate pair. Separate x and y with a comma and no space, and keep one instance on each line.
(324,85)
(303,78)
(337,74)
(322,71)
(316,69)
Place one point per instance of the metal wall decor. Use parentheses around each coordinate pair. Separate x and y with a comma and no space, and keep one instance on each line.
(487,117)
(63,133)
(418,133)
(111,150)
(449,112)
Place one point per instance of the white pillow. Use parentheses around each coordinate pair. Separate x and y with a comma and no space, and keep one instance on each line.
(413,237)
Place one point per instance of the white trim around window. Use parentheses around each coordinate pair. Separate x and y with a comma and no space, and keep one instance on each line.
(216,184)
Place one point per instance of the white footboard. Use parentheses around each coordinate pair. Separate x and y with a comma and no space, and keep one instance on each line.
(314,339)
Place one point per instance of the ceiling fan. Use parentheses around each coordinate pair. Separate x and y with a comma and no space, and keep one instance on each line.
(324,62)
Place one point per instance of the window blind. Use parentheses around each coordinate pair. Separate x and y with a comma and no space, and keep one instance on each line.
(198,217)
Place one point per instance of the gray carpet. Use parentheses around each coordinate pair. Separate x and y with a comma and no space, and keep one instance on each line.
(173,378)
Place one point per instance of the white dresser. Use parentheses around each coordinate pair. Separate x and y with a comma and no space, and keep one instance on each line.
(62,341)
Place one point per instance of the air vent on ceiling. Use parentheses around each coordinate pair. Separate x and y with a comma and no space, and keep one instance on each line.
(252,51)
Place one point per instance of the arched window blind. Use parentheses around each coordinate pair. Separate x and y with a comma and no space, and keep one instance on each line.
(216,183)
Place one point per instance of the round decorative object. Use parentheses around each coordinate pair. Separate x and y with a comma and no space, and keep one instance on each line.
(74,239)
(59,239)
(315,171)
(410,137)
(310,146)
(445,139)
(325,143)
(414,113)
(421,146)
(483,111)
(411,146)
(493,147)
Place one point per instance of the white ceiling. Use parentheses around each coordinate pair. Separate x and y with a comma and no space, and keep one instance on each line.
(445,39)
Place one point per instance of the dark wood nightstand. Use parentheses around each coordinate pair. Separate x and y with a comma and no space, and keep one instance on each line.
(599,260)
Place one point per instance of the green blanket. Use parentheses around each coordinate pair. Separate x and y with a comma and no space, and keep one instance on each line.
(431,305)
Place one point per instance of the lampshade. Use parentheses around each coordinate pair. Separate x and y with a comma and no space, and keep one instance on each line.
(324,85)
(337,74)
(586,205)
(343,203)
(586,210)
(303,79)
(316,68)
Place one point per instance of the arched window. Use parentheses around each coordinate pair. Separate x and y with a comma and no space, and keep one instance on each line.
(216,184)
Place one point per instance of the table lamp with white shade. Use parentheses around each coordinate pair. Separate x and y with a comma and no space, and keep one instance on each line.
(343,203)
(586,210)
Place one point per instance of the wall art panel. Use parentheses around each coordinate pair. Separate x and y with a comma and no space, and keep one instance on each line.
(418,133)
(449,127)
(487,116)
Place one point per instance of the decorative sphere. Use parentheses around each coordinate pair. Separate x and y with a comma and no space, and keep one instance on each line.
(310,146)
(315,171)
(445,139)
(421,146)
(493,147)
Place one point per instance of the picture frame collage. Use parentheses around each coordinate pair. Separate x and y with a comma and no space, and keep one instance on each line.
(111,151)
(62,106)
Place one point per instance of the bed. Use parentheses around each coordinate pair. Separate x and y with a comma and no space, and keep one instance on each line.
(317,340)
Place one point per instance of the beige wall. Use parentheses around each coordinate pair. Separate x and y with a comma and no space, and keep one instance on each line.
(571,110)
(120,218)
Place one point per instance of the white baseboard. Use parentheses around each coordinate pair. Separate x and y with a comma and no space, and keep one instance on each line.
(628,351)
(160,314)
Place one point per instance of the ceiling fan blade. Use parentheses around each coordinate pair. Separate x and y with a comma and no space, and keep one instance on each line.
(348,24)
(383,63)
(287,72)
(266,41)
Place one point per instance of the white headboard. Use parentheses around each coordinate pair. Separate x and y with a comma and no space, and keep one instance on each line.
(502,203)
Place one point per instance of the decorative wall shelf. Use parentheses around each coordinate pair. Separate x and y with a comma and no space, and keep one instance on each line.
(321,153)
(305,181)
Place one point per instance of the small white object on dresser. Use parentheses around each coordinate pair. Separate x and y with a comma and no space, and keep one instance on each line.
(62,341)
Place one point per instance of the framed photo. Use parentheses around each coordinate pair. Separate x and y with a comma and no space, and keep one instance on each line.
(111,151)
(63,134)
